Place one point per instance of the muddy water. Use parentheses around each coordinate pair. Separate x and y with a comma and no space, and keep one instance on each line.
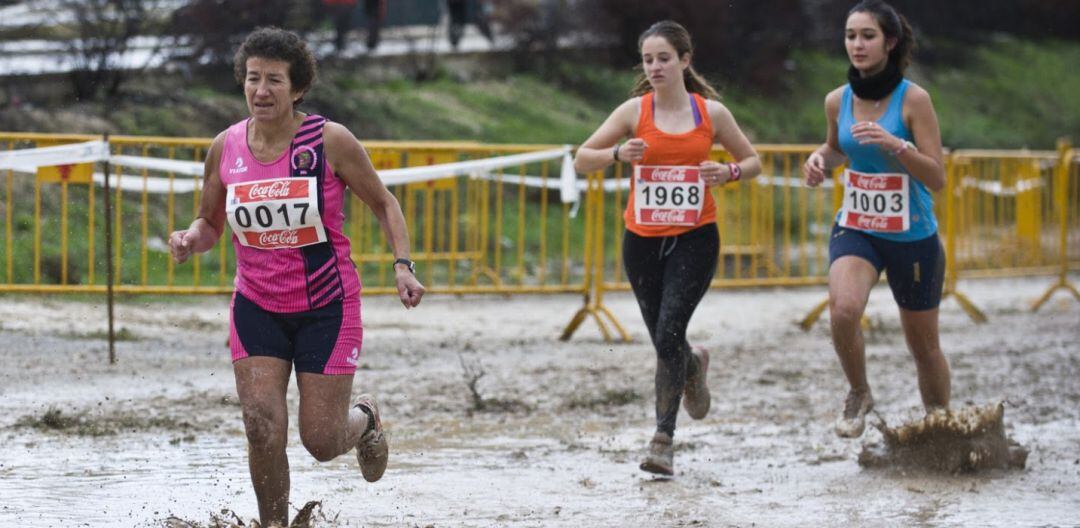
(160,434)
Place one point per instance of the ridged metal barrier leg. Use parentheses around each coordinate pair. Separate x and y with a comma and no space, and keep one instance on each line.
(965,303)
(1061,192)
(594,266)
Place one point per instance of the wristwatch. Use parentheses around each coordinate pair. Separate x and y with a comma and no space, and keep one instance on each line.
(410,264)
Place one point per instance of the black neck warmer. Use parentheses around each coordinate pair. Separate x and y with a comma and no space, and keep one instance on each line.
(877,86)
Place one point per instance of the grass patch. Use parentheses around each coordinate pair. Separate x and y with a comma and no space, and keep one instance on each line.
(516,109)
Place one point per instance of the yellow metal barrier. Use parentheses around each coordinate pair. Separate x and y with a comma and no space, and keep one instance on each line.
(773,230)
(594,265)
(949,241)
(1004,201)
(995,220)
(484,235)
(469,235)
(1067,202)
(1003,213)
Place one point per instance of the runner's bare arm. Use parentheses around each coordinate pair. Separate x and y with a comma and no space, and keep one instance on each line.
(828,155)
(352,164)
(731,137)
(598,152)
(926,164)
(207,227)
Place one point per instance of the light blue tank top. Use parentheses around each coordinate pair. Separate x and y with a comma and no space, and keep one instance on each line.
(871,158)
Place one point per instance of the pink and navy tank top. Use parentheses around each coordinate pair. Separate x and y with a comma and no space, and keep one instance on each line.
(296,279)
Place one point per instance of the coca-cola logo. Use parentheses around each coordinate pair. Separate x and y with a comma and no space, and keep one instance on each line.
(872,182)
(278,238)
(669,174)
(668,216)
(873,222)
(278,189)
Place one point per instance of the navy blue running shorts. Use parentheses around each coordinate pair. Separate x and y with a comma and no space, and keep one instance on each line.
(326,340)
(915,270)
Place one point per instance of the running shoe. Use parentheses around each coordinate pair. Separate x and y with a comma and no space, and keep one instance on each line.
(372,451)
(852,422)
(696,398)
(661,455)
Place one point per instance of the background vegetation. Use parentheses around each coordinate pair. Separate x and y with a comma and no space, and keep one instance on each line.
(1011,94)
(1001,73)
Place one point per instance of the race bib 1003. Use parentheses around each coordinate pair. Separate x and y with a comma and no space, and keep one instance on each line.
(668,195)
(876,202)
(275,214)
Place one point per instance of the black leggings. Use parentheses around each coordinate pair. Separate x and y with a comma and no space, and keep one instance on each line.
(669,276)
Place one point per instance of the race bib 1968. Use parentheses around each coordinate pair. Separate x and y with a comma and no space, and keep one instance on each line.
(876,202)
(668,195)
(275,214)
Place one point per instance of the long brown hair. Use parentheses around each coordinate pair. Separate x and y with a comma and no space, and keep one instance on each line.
(894,26)
(679,38)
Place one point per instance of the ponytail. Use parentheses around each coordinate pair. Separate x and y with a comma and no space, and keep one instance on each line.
(905,45)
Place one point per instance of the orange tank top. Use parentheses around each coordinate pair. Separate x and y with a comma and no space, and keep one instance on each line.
(688,148)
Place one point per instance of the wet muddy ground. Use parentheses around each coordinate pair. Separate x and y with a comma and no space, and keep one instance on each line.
(553,432)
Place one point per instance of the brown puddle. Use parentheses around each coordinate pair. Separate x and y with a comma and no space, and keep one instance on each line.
(968,439)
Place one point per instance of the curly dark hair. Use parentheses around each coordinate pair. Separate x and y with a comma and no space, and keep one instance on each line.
(278,44)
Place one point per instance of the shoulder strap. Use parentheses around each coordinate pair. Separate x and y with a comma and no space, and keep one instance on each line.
(306,156)
(307,159)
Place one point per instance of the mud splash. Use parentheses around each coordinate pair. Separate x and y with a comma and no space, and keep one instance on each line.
(308,517)
(947,440)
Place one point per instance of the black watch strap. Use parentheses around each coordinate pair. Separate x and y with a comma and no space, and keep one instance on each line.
(410,264)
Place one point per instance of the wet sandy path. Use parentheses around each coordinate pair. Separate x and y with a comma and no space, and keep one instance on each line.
(160,433)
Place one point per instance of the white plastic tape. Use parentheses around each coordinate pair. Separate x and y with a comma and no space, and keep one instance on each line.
(28,160)
(463,168)
(187,168)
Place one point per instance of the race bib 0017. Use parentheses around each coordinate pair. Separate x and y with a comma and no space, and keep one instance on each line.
(668,195)
(876,202)
(275,214)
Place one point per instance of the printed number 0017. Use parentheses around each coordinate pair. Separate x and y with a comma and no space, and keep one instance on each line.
(264,216)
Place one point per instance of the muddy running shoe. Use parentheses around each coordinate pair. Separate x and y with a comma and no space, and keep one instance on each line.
(696,399)
(853,421)
(372,451)
(661,455)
